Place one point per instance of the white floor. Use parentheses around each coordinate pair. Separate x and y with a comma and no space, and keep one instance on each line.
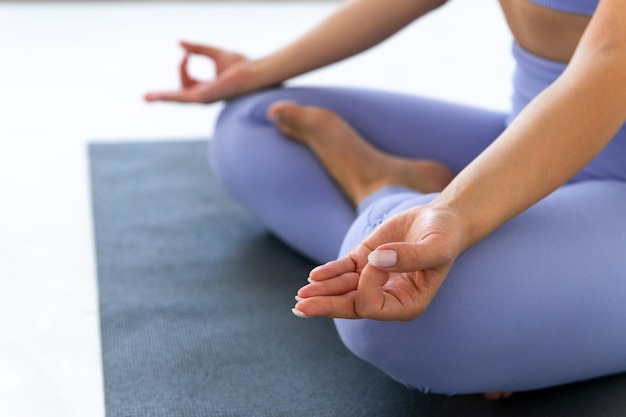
(71,73)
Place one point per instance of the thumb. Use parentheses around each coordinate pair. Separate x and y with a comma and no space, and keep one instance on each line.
(407,257)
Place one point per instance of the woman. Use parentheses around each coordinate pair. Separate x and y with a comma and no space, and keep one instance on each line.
(522,214)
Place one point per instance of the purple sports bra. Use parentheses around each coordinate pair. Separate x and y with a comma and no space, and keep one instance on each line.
(586,7)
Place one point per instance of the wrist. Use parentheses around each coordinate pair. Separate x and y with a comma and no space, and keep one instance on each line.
(262,73)
(456,219)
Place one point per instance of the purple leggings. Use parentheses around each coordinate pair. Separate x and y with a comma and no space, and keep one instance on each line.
(540,302)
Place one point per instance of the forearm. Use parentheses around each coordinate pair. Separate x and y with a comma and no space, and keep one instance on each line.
(355,27)
(560,132)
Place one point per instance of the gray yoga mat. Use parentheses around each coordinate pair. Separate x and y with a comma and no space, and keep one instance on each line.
(195,299)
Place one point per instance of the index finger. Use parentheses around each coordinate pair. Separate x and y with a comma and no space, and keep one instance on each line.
(197,48)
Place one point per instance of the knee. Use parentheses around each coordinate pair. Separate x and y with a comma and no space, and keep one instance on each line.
(426,356)
(363,339)
(245,141)
(237,123)
(379,344)
(250,110)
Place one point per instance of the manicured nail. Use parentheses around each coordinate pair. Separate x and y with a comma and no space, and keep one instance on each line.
(298,299)
(299,313)
(385,258)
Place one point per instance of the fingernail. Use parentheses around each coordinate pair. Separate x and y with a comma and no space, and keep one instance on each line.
(385,258)
(298,299)
(299,313)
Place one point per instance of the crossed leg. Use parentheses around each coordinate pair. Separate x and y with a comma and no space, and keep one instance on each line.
(357,167)
(288,188)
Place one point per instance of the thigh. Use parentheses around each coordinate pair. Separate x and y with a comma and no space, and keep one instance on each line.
(285,185)
(538,303)
(609,164)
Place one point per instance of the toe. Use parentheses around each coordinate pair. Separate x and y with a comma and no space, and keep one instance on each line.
(497,395)
(492,395)
(287,116)
(299,121)
(280,110)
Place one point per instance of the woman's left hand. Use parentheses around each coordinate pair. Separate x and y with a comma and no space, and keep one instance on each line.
(392,275)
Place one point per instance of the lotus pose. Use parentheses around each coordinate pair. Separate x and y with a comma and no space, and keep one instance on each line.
(463,250)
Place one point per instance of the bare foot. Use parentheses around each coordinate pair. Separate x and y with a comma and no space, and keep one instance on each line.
(355,165)
(497,395)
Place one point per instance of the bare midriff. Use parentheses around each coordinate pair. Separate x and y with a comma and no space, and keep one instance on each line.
(545,32)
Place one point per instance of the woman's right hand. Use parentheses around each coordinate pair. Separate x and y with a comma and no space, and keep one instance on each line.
(233,77)
(393,274)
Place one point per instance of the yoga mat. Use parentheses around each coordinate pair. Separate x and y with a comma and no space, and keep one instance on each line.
(195,299)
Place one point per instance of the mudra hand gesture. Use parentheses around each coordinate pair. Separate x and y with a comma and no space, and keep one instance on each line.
(232,75)
(392,275)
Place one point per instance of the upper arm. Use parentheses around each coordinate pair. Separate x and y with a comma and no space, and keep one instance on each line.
(601,52)
(607,28)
